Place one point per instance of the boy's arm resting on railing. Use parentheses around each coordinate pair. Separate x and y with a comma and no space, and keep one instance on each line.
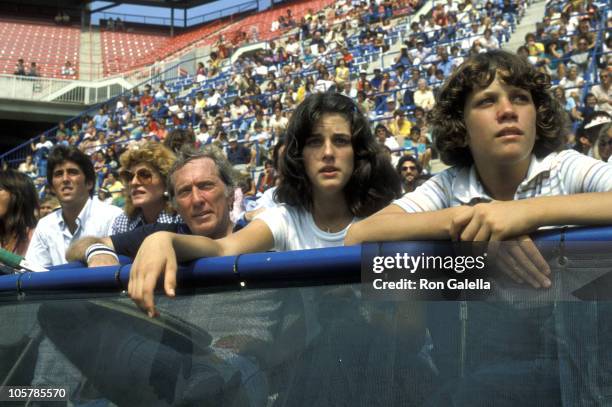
(498,220)
(395,224)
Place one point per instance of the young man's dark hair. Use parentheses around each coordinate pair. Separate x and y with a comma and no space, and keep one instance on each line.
(478,72)
(295,189)
(405,158)
(61,154)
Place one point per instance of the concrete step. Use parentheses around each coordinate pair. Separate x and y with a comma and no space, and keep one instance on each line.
(533,14)
(90,63)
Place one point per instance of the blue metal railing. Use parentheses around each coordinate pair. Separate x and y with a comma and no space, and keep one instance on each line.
(318,266)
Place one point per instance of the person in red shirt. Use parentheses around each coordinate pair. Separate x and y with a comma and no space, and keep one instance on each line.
(146,99)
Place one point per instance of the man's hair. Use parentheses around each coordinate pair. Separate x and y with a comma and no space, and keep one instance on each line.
(61,154)
(373,184)
(179,137)
(478,72)
(159,157)
(188,154)
(405,158)
(21,210)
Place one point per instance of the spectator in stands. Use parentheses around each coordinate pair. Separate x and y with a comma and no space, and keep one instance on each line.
(146,99)
(423,96)
(214,101)
(267,178)
(400,127)
(71,177)
(278,122)
(488,41)
(589,108)
(101,119)
(144,172)
(324,83)
(505,132)
(587,134)
(572,82)
(261,120)
(534,47)
(409,171)
(33,70)
(366,105)
(62,130)
(20,68)
(18,207)
(259,146)
(68,69)
(580,55)
(113,184)
(179,138)
(293,48)
(584,31)
(329,145)
(569,104)
(41,151)
(603,91)
(28,167)
(200,73)
(444,63)
(238,153)
(47,205)
(386,138)
(342,73)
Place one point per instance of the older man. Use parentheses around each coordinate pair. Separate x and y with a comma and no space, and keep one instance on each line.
(201,188)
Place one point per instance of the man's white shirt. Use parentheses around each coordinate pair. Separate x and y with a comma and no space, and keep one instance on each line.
(52,236)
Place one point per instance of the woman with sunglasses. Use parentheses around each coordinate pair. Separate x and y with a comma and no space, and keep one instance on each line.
(143,173)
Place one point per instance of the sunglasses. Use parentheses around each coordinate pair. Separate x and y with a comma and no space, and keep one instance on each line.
(143,175)
(408,168)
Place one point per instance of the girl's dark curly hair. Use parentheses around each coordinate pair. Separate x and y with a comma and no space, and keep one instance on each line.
(373,184)
(478,72)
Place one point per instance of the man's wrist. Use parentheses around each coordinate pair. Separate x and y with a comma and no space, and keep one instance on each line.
(99,249)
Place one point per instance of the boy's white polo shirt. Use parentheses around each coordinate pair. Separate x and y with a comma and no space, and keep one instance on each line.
(564,173)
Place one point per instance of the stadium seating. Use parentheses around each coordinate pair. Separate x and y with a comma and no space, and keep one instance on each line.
(48,45)
(122,50)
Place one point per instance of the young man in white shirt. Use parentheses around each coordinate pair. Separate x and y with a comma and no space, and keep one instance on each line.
(72,177)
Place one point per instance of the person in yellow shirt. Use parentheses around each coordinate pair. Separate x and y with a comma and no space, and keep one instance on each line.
(115,187)
(535,48)
(400,127)
(342,73)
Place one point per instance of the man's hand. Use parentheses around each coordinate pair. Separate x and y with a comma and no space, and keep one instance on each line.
(521,260)
(155,257)
(492,222)
(517,256)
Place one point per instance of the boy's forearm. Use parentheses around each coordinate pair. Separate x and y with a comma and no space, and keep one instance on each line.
(403,226)
(578,209)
